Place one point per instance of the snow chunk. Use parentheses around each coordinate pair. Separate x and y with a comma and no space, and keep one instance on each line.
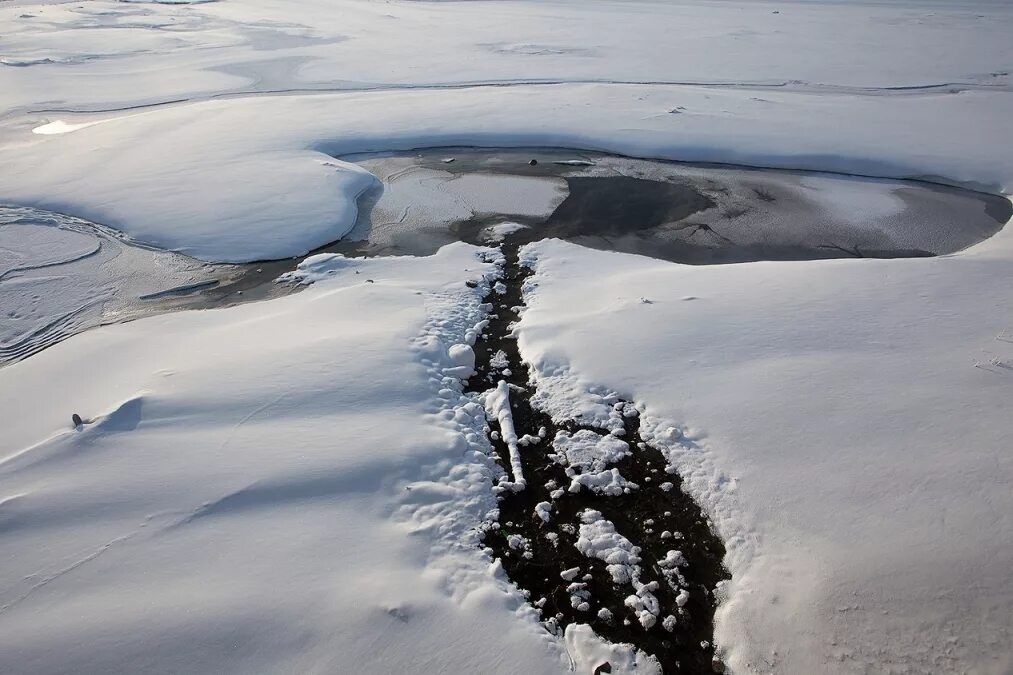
(589,651)
(608,482)
(499,232)
(499,360)
(497,405)
(570,574)
(462,361)
(598,539)
(588,451)
(316,268)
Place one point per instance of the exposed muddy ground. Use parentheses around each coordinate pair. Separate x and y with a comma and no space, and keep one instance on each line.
(677,549)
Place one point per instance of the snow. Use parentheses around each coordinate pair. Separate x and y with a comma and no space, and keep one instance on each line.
(587,451)
(499,360)
(608,482)
(60,275)
(498,232)
(816,410)
(593,651)
(598,539)
(262,488)
(263,186)
(289,486)
(497,406)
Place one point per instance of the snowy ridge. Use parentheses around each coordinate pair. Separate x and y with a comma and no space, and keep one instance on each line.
(267,160)
(310,436)
(813,589)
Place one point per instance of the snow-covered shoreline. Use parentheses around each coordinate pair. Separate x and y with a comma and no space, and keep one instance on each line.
(291,486)
(261,180)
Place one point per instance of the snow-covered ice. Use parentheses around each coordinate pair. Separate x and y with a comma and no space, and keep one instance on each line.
(60,275)
(294,486)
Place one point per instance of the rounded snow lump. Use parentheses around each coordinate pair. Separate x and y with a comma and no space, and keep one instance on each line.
(462,360)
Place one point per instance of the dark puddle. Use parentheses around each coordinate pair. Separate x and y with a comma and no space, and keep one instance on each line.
(697,214)
(657,516)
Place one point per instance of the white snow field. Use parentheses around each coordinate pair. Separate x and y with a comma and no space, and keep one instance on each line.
(293,486)
(299,501)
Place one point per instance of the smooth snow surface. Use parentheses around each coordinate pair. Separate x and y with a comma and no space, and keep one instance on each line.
(304,501)
(845,425)
(293,486)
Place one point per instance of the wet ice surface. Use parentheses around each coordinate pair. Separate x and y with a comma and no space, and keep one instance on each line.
(60,275)
(680,212)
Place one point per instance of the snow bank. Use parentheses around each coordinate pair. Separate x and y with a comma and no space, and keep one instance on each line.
(840,421)
(249,178)
(278,487)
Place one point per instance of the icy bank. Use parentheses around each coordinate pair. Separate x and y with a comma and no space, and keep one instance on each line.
(250,178)
(277,487)
(844,423)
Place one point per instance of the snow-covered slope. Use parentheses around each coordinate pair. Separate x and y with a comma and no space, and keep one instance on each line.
(297,501)
(241,502)
(250,178)
(851,434)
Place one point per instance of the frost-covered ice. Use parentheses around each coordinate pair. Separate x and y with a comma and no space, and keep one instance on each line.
(60,275)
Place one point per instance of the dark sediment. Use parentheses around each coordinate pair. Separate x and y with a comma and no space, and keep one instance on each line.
(641,516)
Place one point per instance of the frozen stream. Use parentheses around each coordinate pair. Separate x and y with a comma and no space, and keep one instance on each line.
(60,275)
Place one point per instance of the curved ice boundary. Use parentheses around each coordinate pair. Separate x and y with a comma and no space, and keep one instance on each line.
(254,178)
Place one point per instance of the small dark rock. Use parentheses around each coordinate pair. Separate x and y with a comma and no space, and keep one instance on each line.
(717,665)
(603,668)
(369,281)
(76,419)
(533,162)
(471,284)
